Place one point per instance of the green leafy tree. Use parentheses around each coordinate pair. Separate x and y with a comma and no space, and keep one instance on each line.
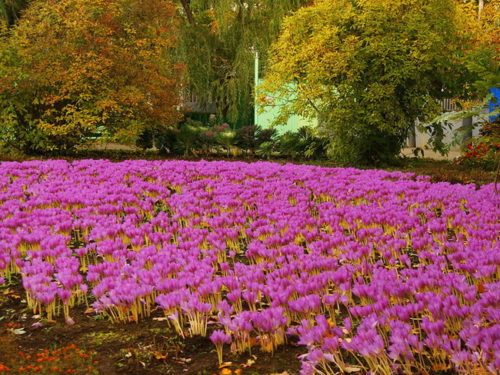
(368,68)
(74,68)
(218,41)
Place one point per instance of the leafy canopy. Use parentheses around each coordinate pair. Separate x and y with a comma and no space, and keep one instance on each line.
(368,69)
(218,41)
(72,68)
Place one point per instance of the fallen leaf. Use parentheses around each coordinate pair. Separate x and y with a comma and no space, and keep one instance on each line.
(225,371)
(18,331)
(161,319)
(249,363)
(159,355)
(226,364)
(90,310)
(11,293)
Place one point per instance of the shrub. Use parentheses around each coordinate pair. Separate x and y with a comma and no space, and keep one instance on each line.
(303,143)
(265,136)
(483,151)
(245,138)
(190,137)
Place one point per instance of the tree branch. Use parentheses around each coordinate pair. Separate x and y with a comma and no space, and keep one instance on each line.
(186,4)
(480,8)
(311,103)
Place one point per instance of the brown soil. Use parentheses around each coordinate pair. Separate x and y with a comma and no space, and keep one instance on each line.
(447,171)
(145,348)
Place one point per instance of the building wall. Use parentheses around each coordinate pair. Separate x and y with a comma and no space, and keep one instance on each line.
(265,116)
(422,138)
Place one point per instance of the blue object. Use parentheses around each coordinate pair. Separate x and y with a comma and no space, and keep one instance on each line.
(494,102)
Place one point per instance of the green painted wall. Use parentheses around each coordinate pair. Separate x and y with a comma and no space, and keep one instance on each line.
(266,115)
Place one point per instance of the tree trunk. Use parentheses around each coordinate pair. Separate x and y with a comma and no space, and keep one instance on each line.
(186,4)
(480,9)
(497,174)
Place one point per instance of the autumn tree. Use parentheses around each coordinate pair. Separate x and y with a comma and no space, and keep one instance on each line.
(482,21)
(368,68)
(74,68)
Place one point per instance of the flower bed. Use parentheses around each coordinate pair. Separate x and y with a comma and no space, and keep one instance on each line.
(372,270)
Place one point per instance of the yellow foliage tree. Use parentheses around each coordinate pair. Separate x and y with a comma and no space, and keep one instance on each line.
(368,68)
(74,68)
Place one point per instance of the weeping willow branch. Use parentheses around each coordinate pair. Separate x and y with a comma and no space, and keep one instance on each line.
(217,44)
(10,11)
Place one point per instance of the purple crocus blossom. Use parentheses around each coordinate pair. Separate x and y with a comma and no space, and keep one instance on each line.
(383,266)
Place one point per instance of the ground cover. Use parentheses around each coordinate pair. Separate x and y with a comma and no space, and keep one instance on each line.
(438,170)
(363,270)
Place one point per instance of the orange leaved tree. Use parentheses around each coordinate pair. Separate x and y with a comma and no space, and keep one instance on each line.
(75,68)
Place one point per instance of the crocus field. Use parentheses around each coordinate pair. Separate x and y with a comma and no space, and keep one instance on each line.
(372,271)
